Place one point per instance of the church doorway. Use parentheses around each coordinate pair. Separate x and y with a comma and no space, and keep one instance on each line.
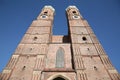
(58,78)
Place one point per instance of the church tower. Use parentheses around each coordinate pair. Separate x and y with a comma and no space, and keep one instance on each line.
(90,60)
(43,56)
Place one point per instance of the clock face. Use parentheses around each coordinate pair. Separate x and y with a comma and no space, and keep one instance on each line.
(44,16)
(76,17)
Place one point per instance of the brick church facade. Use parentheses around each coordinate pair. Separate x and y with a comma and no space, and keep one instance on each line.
(43,56)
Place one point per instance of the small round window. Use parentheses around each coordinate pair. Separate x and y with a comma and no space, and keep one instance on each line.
(35,38)
(84,38)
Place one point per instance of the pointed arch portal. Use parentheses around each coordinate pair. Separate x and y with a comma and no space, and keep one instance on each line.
(58,78)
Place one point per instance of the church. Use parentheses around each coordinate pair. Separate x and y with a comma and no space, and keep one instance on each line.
(43,56)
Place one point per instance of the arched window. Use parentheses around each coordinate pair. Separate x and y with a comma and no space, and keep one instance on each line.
(60,58)
(73,12)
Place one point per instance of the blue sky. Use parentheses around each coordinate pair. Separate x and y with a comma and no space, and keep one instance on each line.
(102,15)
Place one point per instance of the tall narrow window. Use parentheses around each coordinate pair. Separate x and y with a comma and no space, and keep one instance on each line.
(60,58)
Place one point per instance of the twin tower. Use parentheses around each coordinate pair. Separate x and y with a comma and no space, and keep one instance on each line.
(43,56)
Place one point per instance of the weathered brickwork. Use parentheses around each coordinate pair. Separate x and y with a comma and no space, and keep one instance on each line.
(43,56)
